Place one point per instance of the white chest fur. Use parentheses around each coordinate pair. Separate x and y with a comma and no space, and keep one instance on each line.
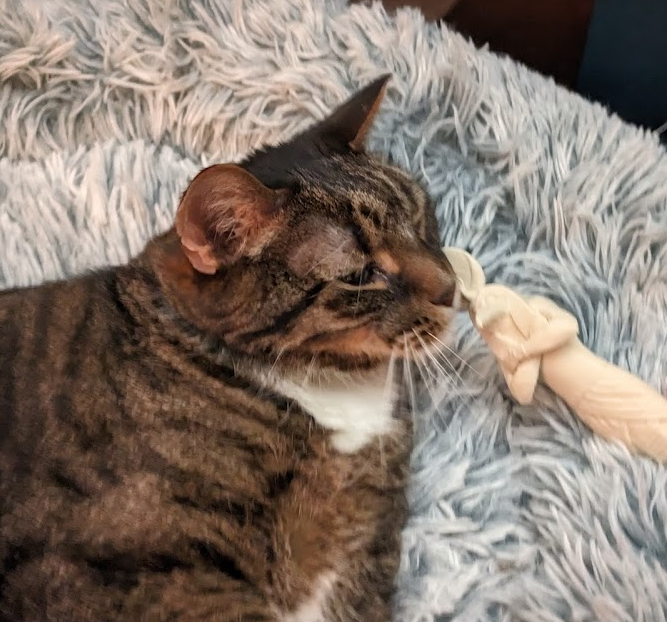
(314,608)
(356,409)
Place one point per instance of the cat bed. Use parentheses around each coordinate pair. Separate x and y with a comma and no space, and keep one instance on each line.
(108,108)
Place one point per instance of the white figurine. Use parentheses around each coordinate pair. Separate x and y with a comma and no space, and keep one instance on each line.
(534,339)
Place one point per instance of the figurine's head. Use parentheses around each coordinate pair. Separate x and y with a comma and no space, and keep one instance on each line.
(469,273)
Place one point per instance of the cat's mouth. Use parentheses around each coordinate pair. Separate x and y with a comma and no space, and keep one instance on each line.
(419,339)
(367,345)
(362,340)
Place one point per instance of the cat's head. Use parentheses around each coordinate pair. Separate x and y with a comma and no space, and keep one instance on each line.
(313,251)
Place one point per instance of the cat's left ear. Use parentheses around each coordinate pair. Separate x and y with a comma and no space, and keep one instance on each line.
(351,122)
(226,213)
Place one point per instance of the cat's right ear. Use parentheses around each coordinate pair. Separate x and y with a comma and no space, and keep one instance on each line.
(351,122)
(224,214)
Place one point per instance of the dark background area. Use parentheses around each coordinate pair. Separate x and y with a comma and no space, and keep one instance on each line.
(613,51)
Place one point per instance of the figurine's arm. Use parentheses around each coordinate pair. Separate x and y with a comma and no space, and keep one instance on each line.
(522,381)
(559,328)
(505,320)
(520,329)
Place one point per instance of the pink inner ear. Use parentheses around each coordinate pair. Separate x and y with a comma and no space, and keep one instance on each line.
(200,255)
(225,212)
(193,241)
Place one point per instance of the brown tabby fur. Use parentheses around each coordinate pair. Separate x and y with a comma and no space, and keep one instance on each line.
(149,468)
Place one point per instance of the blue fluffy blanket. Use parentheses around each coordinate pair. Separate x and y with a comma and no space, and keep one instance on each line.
(108,108)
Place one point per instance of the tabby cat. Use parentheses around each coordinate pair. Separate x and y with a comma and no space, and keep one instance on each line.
(216,431)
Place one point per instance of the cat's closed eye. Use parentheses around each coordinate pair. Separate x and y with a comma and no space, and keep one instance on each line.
(370,274)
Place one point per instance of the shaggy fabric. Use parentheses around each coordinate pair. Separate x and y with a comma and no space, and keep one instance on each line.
(108,108)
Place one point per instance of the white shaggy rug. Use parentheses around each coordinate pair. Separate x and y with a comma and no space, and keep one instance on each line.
(108,107)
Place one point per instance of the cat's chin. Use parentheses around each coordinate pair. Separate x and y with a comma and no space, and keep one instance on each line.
(325,361)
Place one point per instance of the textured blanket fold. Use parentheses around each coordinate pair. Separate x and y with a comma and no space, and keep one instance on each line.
(108,108)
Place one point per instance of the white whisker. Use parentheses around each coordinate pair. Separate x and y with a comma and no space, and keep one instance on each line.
(444,345)
(388,389)
(435,361)
(407,370)
(327,256)
(389,382)
(358,292)
(445,360)
(421,362)
(431,383)
(282,351)
(309,371)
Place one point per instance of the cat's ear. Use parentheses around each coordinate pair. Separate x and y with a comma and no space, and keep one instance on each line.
(224,214)
(351,122)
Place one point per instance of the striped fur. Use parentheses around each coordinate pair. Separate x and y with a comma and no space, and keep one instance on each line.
(151,466)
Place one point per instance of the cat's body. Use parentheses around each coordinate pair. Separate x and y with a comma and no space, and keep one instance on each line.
(144,479)
(215,431)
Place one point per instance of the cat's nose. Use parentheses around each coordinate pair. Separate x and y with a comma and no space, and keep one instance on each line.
(438,283)
(446,297)
(429,276)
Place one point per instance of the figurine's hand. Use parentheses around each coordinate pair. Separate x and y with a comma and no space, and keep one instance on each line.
(523,380)
(512,355)
(506,321)
(489,310)
(558,328)
(519,332)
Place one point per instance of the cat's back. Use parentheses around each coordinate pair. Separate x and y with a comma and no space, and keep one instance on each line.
(40,329)
(35,321)
(48,336)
